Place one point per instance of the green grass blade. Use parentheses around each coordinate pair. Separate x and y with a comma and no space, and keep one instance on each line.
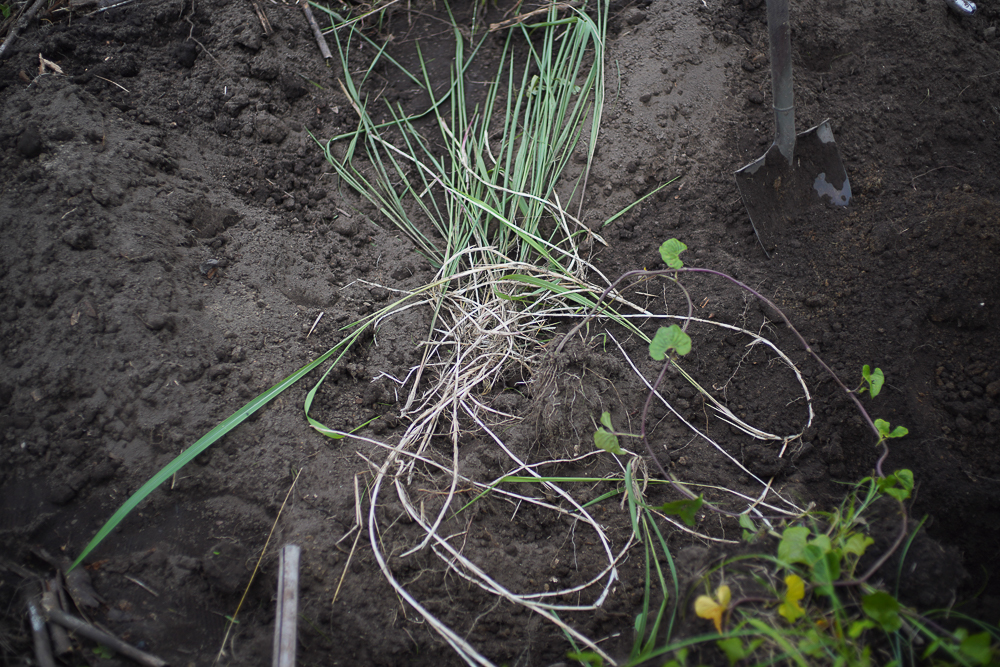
(781,639)
(555,288)
(638,201)
(603,497)
(674,579)
(197,448)
(647,592)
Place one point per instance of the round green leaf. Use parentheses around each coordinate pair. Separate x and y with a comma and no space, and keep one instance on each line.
(607,441)
(876,381)
(792,547)
(977,648)
(669,338)
(685,509)
(883,609)
(670,251)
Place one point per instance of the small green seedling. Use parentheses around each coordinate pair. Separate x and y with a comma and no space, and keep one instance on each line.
(872,381)
(899,484)
(313,83)
(817,553)
(885,431)
(102,651)
(969,649)
(883,609)
(588,658)
(680,659)
(670,251)
(669,339)
(750,530)
(827,614)
(604,436)
(824,556)
(977,648)
(736,650)
(685,509)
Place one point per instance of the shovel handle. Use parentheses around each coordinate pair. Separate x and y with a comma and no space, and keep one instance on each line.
(779,35)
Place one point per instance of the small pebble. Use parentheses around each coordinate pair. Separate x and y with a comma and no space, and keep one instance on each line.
(816,301)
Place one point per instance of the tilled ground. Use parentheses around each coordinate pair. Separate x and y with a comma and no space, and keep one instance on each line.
(171,232)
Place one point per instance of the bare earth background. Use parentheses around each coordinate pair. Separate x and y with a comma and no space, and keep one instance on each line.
(178,134)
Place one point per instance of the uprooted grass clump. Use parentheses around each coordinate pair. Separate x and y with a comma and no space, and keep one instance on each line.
(493,215)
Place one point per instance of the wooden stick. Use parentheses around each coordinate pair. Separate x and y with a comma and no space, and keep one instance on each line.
(25,17)
(60,639)
(43,650)
(100,636)
(320,39)
(257,7)
(256,568)
(285,621)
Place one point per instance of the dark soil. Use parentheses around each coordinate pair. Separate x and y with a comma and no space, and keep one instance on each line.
(170,233)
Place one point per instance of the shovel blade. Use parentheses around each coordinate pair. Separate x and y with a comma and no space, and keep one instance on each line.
(776,193)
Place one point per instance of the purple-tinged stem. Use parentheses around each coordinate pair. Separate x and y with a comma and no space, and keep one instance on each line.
(671,273)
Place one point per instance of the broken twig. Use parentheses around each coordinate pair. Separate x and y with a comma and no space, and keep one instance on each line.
(44,64)
(142,585)
(320,40)
(118,84)
(50,598)
(25,17)
(90,632)
(264,22)
(43,649)
(318,318)
(232,619)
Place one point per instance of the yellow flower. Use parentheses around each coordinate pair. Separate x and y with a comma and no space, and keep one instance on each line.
(713,609)
(790,608)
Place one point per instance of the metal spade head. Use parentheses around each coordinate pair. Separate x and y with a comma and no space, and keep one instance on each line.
(775,192)
(797,171)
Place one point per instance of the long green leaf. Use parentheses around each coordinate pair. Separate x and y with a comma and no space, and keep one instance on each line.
(197,448)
